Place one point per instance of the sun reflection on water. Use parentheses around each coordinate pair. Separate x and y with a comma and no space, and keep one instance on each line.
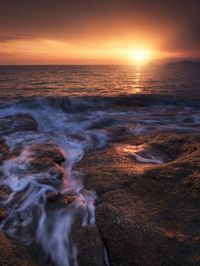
(136,86)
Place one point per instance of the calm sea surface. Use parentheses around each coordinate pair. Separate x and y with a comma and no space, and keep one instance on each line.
(172,79)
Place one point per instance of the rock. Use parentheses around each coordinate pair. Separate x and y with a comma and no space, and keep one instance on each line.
(56,200)
(45,172)
(4,150)
(15,152)
(2,213)
(15,254)
(39,165)
(90,247)
(4,192)
(148,214)
(17,123)
(47,159)
(119,133)
(48,151)
(174,145)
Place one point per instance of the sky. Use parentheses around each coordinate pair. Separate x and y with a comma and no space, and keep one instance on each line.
(97,32)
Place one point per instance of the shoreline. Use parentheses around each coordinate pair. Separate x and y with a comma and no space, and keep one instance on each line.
(146,183)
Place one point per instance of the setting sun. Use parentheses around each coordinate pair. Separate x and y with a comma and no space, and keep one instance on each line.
(141,56)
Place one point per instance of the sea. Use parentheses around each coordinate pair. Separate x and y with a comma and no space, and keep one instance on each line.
(173,79)
(77,108)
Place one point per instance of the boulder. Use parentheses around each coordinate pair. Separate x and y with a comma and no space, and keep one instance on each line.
(17,123)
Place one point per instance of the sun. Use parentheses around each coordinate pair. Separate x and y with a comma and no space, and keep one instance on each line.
(141,56)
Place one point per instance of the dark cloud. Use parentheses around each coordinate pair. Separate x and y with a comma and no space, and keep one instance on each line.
(73,16)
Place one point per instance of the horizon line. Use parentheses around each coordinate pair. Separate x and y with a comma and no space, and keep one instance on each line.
(134,64)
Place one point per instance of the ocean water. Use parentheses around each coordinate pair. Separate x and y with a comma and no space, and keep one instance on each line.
(79,109)
(181,79)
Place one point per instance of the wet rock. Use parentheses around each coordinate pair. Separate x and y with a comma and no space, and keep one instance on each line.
(39,165)
(47,159)
(4,150)
(90,247)
(77,136)
(13,253)
(102,123)
(55,196)
(129,239)
(174,145)
(17,123)
(15,152)
(143,153)
(2,213)
(119,133)
(4,192)
(56,200)
(48,151)
(148,214)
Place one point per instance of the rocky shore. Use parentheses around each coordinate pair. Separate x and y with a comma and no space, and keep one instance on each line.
(147,206)
(148,213)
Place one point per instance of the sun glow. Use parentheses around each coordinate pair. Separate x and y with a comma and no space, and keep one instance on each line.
(141,56)
(52,51)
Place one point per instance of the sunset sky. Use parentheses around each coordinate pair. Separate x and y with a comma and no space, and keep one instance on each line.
(97,32)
